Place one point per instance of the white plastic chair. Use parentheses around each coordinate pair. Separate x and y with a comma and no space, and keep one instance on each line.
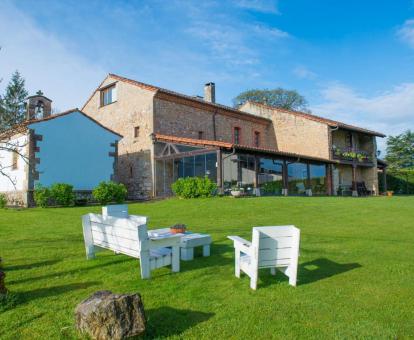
(271,247)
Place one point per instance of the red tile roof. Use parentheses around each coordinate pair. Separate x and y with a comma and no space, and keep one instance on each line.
(313,117)
(226,145)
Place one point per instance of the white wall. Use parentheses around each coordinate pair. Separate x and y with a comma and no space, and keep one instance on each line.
(18,176)
(74,150)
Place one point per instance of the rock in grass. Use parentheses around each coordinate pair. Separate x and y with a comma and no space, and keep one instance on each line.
(111,316)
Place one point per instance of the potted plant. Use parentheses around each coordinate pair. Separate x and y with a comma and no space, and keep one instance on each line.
(178,229)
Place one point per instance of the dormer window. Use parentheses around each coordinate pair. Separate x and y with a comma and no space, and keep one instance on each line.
(108,95)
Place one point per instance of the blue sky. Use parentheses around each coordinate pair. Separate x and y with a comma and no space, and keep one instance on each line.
(352,60)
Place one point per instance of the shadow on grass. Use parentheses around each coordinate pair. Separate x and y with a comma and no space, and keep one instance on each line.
(310,272)
(167,321)
(216,258)
(31,265)
(68,272)
(322,268)
(15,299)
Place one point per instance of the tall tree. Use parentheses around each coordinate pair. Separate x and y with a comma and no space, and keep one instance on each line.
(400,157)
(400,151)
(12,111)
(285,99)
(13,102)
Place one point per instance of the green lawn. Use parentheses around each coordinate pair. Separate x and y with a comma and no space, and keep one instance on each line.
(356,276)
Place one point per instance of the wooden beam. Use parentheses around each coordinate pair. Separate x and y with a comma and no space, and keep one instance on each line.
(187,154)
(219,171)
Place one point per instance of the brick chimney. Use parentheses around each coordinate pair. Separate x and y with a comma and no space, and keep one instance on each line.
(210,92)
(38,106)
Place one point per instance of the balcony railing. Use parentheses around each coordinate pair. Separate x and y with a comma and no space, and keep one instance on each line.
(347,154)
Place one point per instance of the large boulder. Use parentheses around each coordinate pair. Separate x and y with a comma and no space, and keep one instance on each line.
(111,316)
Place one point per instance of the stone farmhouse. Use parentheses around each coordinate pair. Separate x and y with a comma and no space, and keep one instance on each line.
(267,151)
(68,147)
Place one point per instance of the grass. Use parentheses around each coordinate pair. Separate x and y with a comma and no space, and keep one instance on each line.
(356,277)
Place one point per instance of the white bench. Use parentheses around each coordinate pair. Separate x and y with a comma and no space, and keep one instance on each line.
(129,236)
(271,247)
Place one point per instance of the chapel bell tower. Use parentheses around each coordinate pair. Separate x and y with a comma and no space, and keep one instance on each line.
(38,106)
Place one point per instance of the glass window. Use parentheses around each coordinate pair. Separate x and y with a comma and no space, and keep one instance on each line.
(257,138)
(211,166)
(199,165)
(108,95)
(188,166)
(186,148)
(239,170)
(297,178)
(270,176)
(230,171)
(236,136)
(318,179)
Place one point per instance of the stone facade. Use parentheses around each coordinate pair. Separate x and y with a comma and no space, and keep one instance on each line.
(158,111)
(187,119)
(131,115)
(294,133)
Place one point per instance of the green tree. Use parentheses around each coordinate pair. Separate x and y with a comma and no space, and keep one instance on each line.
(13,108)
(400,156)
(400,151)
(285,99)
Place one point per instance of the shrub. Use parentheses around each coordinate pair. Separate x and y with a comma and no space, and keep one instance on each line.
(62,194)
(107,192)
(272,187)
(3,200)
(193,187)
(41,196)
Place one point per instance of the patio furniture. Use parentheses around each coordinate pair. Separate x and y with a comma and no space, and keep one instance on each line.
(362,189)
(271,247)
(121,210)
(188,242)
(129,236)
(345,190)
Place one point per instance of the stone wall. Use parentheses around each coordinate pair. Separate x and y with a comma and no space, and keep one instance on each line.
(133,109)
(295,133)
(186,120)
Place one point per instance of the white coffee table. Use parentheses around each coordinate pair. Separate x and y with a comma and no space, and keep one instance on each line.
(188,242)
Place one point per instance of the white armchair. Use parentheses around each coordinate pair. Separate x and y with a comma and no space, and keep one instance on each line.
(271,247)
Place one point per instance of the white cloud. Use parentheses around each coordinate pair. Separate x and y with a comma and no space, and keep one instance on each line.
(303,72)
(390,112)
(264,6)
(406,32)
(44,61)
(269,32)
(226,42)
